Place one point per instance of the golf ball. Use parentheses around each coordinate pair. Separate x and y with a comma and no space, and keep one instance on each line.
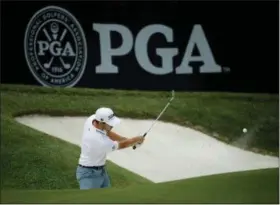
(244,130)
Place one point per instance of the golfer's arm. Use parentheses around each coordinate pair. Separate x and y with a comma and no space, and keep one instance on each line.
(128,142)
(115,137)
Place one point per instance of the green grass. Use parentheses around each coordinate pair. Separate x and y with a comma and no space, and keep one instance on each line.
(33,160)
(250,187)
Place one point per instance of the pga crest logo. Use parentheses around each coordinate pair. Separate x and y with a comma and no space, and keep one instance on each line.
(55,47)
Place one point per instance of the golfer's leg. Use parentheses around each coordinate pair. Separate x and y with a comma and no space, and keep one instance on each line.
(107,182)
(91,183)
(89,178)
(87,183)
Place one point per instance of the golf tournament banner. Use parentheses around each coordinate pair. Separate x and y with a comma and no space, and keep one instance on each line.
(180,45)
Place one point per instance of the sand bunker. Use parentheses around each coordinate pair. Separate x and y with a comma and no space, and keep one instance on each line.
(170,152)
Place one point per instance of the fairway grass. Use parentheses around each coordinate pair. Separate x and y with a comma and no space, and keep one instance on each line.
(33,160)
(258,186)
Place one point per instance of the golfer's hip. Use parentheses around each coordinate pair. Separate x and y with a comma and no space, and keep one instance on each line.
(89,172)
(91,167)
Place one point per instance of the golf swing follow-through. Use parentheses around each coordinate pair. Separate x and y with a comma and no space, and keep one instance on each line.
(97,141)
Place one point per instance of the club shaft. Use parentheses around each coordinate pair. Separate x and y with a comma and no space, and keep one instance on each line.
(159,115)
(135,146)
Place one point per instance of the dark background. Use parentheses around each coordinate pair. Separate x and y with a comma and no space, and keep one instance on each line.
(243,36)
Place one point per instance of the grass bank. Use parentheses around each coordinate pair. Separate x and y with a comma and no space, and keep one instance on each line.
(249,187)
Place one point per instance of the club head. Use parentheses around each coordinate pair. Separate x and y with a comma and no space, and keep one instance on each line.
(46,65)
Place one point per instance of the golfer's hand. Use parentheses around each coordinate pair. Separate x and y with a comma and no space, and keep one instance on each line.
(141,139)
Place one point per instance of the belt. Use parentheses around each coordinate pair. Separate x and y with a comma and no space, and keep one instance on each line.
(92,167)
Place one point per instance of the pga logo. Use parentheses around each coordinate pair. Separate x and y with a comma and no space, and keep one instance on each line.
(55,47)
(56,50)
(140,48)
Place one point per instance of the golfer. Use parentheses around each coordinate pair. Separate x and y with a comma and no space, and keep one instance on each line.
(97,141)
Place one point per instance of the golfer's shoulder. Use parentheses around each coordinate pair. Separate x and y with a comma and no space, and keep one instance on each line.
(88,126)
(91,118)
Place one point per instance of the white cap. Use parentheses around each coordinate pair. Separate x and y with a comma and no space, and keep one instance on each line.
(107,115)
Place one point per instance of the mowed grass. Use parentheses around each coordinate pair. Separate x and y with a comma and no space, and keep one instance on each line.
(260,186)
(33,160)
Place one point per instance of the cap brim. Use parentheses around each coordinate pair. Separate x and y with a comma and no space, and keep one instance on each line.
(114,121)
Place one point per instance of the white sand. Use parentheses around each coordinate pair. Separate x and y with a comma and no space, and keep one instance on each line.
(170,152)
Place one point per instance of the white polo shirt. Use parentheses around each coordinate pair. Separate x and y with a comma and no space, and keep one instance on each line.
(95,145)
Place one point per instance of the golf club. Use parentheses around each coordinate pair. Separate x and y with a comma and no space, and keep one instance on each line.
(172,97)
(48,65)
(65,65)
